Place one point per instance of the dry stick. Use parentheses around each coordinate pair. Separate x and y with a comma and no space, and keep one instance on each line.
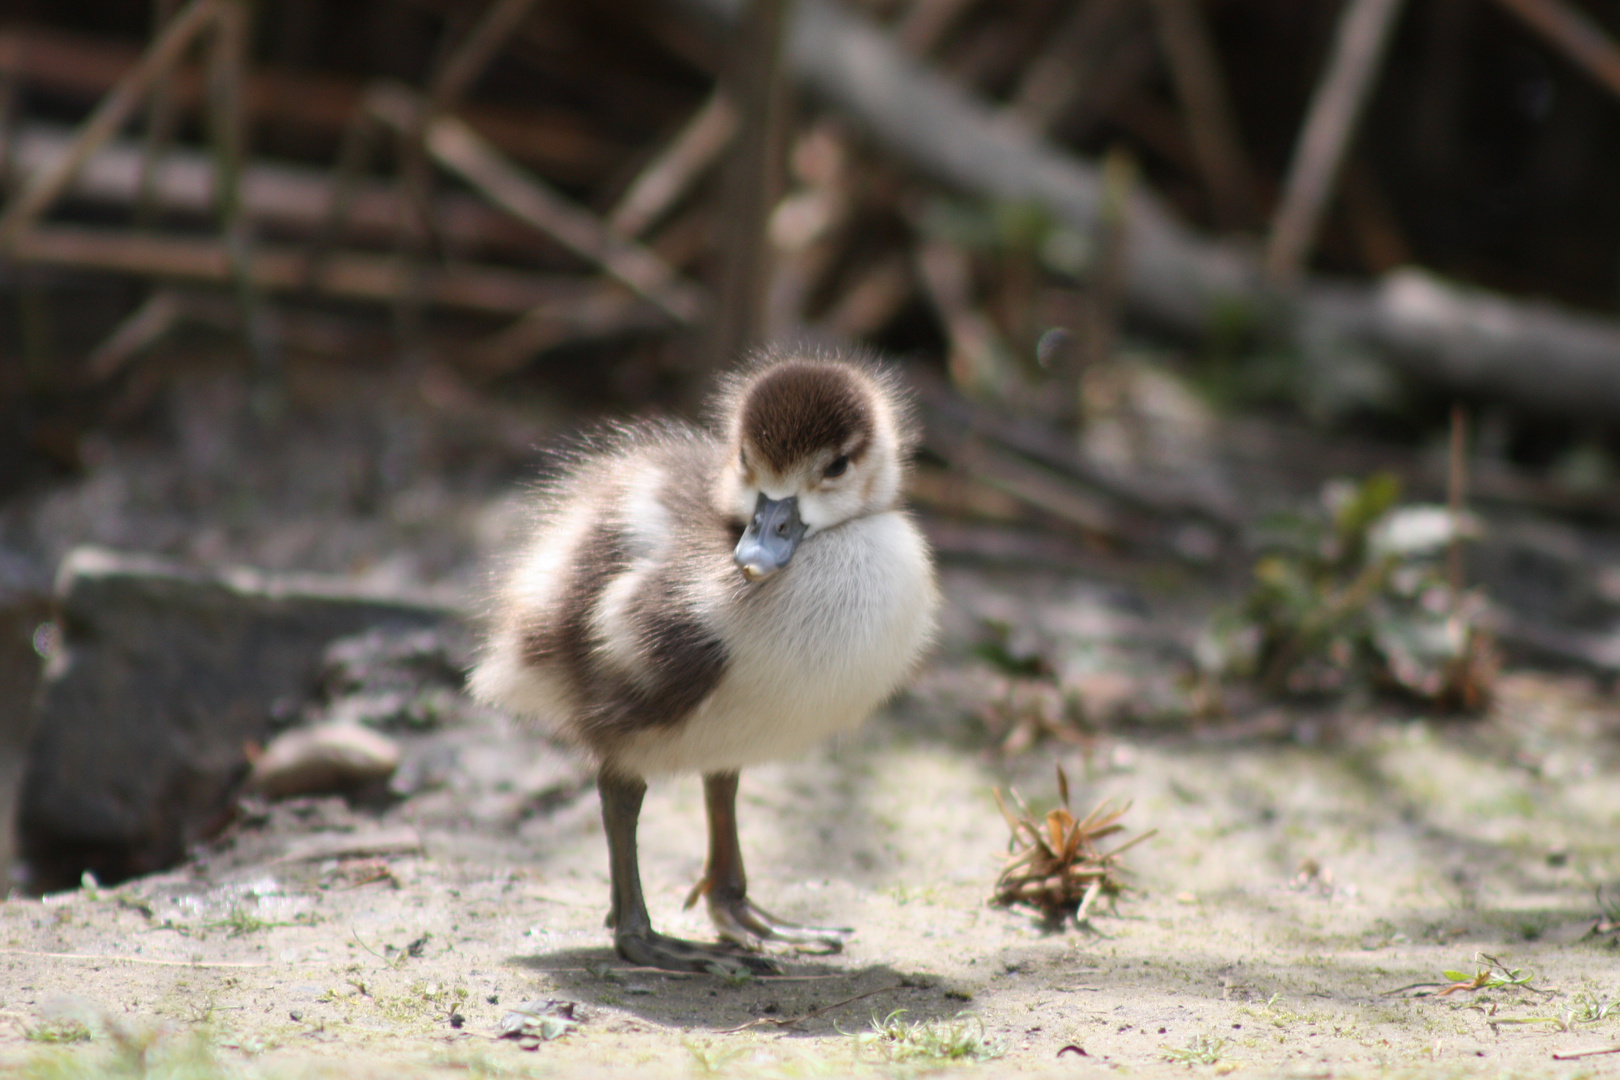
(926,22)
(1031,484)
(1378,232)
(1065,69)
(473,55)
(454,78)
(75,67)
(1574,1055)
(873,299)
(808,251)
(1358,46)
(458,148)
(136,332)
(756,80)
(1196,71)
(974,360)
(1057,451)
(8,113)
(1457,493)
(354,156)
(293,198)
(668,177)
(1573,31)
(764,1021)
(608,311)
(1465,340)
(162,117)
(44,188)
(1105,297)
(227,121)
(349,275)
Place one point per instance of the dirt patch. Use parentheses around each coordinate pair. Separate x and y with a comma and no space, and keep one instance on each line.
(1295,887)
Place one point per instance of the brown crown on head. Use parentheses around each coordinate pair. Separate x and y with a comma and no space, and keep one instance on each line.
(798,407)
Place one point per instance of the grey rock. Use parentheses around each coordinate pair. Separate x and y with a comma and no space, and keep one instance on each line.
(334,758)
(162,677)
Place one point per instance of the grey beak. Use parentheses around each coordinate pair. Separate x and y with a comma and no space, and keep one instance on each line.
(768,542)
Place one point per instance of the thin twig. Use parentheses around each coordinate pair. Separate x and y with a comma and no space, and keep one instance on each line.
(1358,47)
(474,53)
(458,148)
(135,333)
(926,23)
(1105,298)
(1457,493)
(1070,63)
(665,179)
(495,290)
(604,313)
(228,128)
(1195,69)
(765,1021)
(1575,1055)
(1413,986)
(976,349)
(162,117)
(1575,33)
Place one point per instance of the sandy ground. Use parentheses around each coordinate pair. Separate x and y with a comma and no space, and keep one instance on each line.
(1298,880)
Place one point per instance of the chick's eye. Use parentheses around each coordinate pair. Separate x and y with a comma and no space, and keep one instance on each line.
(839,464)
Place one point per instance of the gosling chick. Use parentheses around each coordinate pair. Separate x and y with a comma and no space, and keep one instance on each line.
(697,599)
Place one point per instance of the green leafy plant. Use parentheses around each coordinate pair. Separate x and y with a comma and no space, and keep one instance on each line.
(1355,593)
(59,1030)
(1200,1050)
(961,1038)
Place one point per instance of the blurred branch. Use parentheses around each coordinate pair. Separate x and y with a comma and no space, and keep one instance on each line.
(115,109)
(1030,483)
(1057,451)
(473,55)
(458,148)
(755,80)
(1358,47)
(605,312)
(288,197)
(1196,70)
(1462,339)
(668,177)
(228,131)
(872,299)
(1068,65)
(348,275)
(976,350)
(564,144)
(162,117)
(1572,31)
(926,23)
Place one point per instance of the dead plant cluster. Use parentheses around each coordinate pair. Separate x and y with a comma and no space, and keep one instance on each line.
(1054,863)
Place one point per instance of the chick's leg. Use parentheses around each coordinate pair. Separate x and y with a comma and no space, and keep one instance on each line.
(726,885)
(633,935)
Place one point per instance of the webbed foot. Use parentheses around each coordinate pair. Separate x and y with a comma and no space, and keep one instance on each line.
(651,949)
